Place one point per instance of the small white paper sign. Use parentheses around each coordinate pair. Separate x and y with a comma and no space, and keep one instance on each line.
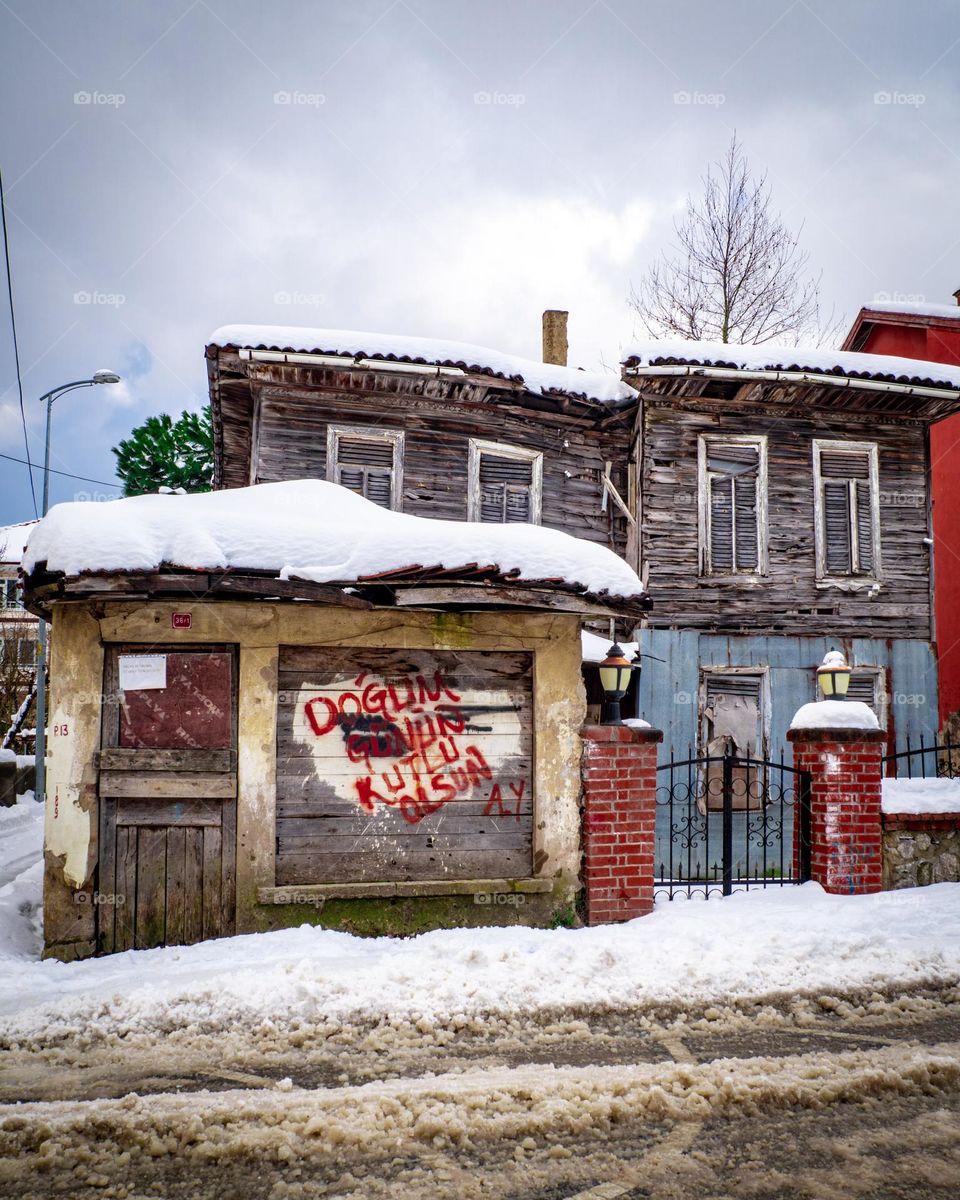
(140,672)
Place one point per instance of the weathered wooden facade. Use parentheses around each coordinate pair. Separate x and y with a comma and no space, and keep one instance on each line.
(234,751)
(452,438)
(784,512)
(776,508)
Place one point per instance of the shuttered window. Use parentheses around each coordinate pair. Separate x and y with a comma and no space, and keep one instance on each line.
(848,520)
(367,462)
(505,483)
(10,596)
(733,490)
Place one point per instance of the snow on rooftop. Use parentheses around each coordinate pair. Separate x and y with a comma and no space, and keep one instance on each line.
(835,714)
(921,796)
(13,539)
(676,351)
(915,308)
(307,529)
(536,376)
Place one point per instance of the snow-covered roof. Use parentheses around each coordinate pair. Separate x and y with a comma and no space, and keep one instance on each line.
(915,308)
(309,529)
(594,648)
(544,378)
(13,539)
(909,372)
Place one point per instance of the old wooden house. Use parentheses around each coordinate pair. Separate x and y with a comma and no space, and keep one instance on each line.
(283,704)
(776,500)
(784,511)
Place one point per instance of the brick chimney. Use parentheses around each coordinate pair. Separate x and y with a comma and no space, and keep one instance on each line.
(555,336)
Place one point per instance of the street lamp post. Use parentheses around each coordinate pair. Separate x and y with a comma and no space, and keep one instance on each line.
(41,740)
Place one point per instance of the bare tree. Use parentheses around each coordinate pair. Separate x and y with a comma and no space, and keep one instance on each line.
(737,274)
(17,677)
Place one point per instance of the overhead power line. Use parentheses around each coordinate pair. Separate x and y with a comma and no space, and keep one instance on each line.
(16,348)
(36,467)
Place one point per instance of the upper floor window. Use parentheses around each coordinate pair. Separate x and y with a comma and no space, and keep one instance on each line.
(367,461)
(847,509)
(10,594)
(733,505)
(505,483)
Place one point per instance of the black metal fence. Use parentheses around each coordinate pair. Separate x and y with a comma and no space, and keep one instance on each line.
(726,823)
(924,760)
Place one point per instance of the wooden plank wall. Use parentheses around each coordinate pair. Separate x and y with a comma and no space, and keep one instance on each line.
(403,765)
(292,435)
(787,600)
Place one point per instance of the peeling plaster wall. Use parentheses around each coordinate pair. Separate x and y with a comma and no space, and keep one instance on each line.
(260,629)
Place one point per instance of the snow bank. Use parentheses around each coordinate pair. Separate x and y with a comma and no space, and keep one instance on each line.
(21,880)
(307,529)
(650,352)
(835,714)
(790,939)
(921,796)
(536,376)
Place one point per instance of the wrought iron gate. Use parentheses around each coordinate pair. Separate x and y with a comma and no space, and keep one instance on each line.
(728,823)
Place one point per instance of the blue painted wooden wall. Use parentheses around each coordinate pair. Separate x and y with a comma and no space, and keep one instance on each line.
(669,689)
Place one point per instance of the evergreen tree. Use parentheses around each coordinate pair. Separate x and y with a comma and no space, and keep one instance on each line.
(166,454)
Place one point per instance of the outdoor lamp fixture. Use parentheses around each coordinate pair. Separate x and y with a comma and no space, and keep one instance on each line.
(41,744)
(833,676)
(615,672)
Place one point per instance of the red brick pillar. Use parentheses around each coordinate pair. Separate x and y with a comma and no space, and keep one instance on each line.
(619,814)
(845,825)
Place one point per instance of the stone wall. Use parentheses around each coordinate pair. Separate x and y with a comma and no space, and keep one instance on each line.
(920,848)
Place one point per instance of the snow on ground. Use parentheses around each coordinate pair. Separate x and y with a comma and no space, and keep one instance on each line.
(921,796)
(21,880)
(307,529)
(687,953)
(790,358)
(835,714)
(537,376)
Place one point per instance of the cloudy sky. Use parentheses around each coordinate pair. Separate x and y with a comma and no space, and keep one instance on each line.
(431,167)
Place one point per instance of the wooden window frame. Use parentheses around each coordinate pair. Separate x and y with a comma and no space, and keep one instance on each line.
(479,447)
(704,533)
(394,437)
(874,576)
(761,670)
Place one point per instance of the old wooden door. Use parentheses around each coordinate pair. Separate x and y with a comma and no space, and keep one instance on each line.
(168,787)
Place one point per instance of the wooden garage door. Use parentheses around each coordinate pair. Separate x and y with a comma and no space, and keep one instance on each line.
(403,765)
(168,786)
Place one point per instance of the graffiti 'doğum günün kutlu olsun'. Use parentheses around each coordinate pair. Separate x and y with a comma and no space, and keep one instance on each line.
(409,737)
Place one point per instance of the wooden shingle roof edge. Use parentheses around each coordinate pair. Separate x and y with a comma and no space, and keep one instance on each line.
(468,588)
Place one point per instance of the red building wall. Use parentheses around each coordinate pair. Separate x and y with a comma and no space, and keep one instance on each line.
(937,344)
